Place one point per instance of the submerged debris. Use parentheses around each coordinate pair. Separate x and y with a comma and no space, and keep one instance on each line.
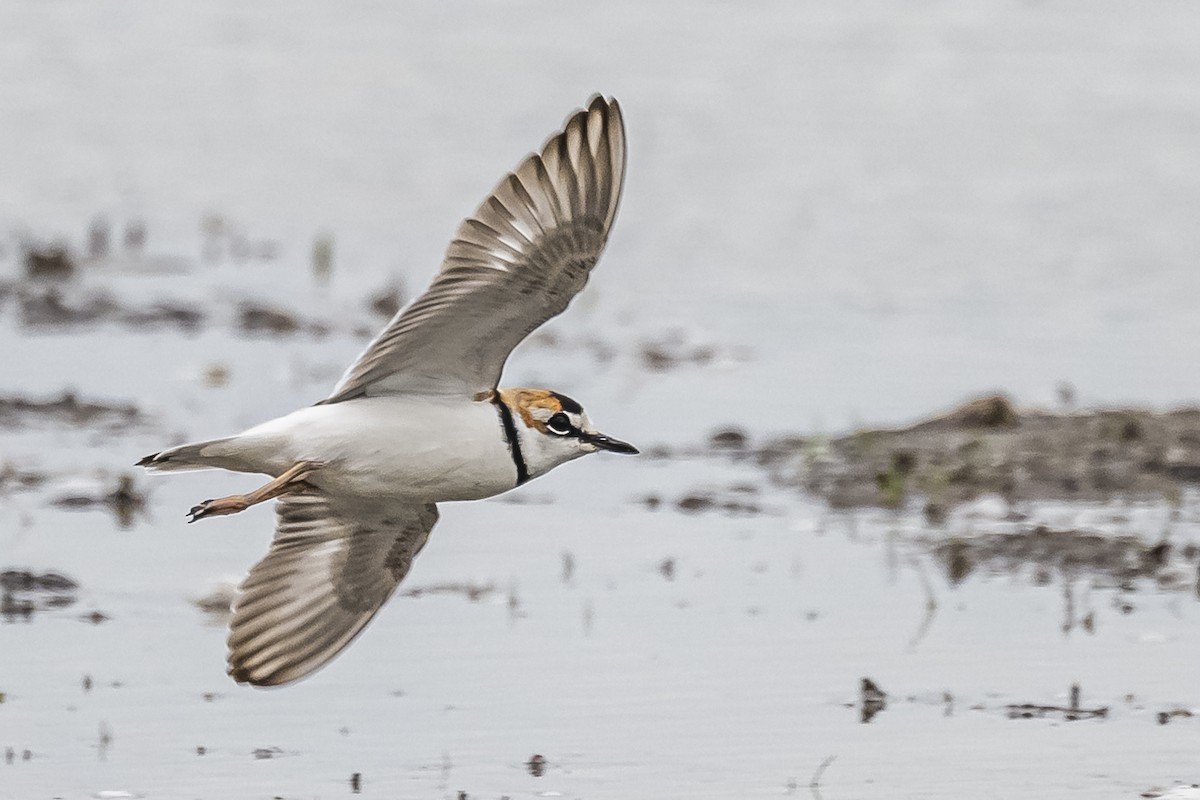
(50,308)
(871,700)
(322,259)
(1071,712)
(23,593)
(387,301)
(217,605)
(1166,716)
(1121,558)
(19,478)
(134,237)
(125,501)
(666,568)
(536,765)
(471,591)
(729,439)
(98,238)
(216,375)
(734,501)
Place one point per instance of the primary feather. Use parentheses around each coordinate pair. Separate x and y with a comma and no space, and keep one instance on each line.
(515,263)
(331,567)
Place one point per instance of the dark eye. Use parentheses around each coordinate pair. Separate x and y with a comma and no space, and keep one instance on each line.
(559,424)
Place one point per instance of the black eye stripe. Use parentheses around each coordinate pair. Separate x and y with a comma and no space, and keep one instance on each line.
(568,405)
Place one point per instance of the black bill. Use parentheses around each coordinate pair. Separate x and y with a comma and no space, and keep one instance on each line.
(603,442)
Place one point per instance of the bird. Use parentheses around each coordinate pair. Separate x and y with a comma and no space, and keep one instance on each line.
(419,418)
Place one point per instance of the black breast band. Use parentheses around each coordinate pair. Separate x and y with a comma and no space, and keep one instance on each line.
(510,434)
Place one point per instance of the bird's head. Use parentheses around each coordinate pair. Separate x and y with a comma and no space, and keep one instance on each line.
(553,429)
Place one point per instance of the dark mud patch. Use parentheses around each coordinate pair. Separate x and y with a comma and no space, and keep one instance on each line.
(738,500)
(258,318)
(24,593)
(387,301)
(67,409)
(49,309)
(987,446)
(52,308)
(48,262)
(1044,552)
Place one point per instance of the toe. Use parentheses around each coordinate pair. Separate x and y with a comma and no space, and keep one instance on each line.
(199,512)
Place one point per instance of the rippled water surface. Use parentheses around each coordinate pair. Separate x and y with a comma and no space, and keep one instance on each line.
(835,215)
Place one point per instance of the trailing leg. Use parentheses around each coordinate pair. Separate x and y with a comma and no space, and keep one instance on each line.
(289,481)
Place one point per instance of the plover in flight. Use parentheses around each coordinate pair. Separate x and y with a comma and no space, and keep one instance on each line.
(419,419)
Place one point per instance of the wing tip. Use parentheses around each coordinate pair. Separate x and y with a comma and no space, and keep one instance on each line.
(244,676)
(240,674)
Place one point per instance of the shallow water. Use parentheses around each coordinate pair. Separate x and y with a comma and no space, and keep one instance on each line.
(863,214)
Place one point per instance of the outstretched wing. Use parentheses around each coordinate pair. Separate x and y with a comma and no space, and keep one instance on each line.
(514,264)
(332,565)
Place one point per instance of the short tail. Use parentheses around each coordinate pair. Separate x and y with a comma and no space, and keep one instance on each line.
(213,454)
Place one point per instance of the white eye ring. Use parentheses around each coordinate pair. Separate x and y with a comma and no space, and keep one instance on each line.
(559,424)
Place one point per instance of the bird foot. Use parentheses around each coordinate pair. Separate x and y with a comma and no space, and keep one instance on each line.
(219,507)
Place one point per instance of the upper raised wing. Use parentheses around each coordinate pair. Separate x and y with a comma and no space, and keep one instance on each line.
(331,566)
(514,264)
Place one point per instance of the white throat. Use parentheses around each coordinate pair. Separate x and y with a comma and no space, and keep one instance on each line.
(533,453)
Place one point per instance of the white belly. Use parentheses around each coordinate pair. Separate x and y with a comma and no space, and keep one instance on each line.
(397,447)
